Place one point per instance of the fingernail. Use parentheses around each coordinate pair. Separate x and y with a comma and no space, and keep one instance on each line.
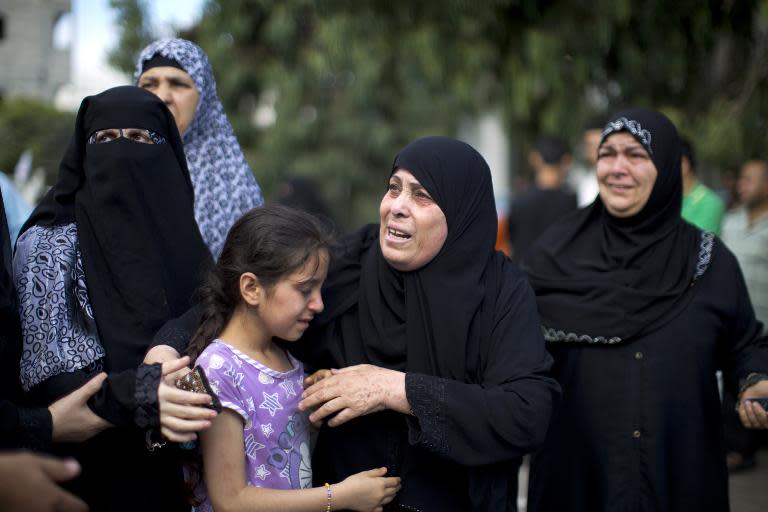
(72,465)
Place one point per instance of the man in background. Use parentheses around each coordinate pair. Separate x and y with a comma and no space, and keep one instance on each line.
(701,206)
(546,201)
(745,232)
(582,177)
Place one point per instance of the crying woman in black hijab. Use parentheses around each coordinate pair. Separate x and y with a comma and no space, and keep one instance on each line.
(446,374)
(110,254)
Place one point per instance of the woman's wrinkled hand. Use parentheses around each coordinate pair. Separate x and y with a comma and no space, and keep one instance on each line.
(752,415)
(181,412)
(316,377)
(354,391)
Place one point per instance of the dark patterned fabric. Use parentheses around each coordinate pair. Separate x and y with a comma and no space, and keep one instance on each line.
(35,429)
(59,332)
(147,414)
(427,398)
(224,184)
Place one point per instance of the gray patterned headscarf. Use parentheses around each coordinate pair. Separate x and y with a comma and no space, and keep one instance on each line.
(224,184)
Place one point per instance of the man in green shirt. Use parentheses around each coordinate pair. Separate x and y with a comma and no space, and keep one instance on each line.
(701,206)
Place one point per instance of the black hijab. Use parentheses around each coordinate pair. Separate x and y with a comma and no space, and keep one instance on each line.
(421,321)
(141,249)
(607,279)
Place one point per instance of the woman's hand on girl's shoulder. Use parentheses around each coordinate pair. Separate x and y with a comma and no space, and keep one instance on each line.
(355,391)
(316,377)
(367,491)
(309,381)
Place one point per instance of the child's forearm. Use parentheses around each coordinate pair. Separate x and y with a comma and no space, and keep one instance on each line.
(257,499)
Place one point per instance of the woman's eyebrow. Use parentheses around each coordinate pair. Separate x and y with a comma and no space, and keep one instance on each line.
(179,80)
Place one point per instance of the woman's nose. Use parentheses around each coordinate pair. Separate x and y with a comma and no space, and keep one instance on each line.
(619,163)
(164,93)
(400,204)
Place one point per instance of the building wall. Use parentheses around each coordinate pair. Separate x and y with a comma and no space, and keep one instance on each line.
(29,63)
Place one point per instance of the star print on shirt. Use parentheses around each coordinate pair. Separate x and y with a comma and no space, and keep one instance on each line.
(267,429)
(287,385)
(271,403)
(262,472)
(252,446)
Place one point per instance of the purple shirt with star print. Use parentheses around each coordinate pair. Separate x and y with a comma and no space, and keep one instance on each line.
(275,432)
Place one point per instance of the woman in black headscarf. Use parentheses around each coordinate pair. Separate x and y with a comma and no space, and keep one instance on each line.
(640,310)
(449,386)
(111,253)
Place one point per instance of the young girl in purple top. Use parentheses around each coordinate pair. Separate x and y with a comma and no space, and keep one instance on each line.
(256,455)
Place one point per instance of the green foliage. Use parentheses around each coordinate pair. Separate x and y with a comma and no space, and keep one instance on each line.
(29,124)
(349,82)
(134,34)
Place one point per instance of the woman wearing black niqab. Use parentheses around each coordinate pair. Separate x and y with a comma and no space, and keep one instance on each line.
(640,310)
(450,348)
(111,253)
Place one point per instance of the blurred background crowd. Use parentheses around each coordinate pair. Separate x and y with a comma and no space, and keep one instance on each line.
(327,90)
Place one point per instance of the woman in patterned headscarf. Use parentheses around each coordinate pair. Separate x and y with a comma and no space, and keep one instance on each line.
(179,73)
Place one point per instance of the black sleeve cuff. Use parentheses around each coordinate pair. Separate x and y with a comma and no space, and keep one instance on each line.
(35,429)
(427,427)
(147,413)
(751,380)
(178,331)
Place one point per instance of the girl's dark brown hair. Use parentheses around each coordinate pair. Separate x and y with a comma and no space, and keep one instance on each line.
(272,242)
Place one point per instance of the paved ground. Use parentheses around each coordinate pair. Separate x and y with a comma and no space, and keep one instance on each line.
(749,489)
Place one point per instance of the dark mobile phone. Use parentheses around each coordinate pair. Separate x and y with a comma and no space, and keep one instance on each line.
(762,401)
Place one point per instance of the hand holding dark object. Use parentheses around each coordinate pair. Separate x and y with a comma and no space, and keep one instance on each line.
(29,482)
(355,391)
(180,413)
(751,413)
(196,382)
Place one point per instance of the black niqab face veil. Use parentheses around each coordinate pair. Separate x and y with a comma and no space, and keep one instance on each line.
(600,278)
(141,249)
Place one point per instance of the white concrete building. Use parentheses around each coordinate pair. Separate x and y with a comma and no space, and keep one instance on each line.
(33,61)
